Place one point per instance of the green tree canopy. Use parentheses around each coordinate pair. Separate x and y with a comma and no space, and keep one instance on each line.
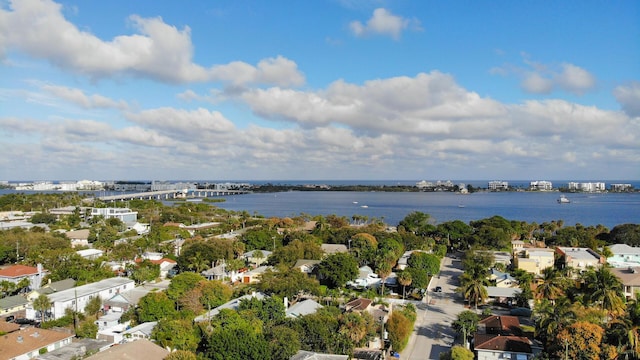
(338,268)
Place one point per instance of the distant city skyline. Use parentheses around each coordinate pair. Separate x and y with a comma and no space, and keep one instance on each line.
(313,90)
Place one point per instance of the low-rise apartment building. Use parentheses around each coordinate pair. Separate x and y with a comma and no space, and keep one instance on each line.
(78,297)
(579,259)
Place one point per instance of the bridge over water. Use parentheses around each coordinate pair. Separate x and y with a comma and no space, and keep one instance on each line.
(172,194)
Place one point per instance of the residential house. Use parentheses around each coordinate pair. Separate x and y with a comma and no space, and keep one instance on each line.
(13,304)
(500,337)
(78,237)
(219,272)
(90,254)
(358,305)
(142,331)
(51,287)
(166,264)
(503,295)
(624,256)
(330,249)
(125,300)
(517,246)
(307,266)
(630,279)
(232,304)
(78,297)
(535,260)
(108,320)
(16,273)
(366,278)
(28,342)
(132,351)
(78,349)
(253,260)
(302,308)
(253,276)
(310,355)
(502,279)
(579,259)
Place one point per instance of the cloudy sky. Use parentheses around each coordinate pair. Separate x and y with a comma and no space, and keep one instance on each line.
(319,89)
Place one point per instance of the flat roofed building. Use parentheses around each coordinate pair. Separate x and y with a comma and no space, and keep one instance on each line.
(535,260)
(580,258)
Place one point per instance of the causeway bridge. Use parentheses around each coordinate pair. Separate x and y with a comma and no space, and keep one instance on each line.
(172,194)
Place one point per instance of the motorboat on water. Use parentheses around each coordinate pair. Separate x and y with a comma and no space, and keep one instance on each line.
(563,200)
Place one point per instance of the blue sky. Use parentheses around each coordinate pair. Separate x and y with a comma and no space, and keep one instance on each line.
(351,89)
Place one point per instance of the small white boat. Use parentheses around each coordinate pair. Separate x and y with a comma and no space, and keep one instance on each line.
(563,200)
(364,206)
(355,202)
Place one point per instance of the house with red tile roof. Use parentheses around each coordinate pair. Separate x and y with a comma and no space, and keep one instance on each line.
(15,273)
(501,337)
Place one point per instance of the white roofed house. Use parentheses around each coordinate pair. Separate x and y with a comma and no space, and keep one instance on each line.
(78,297)
(256,257)
(624,255)
(579,259)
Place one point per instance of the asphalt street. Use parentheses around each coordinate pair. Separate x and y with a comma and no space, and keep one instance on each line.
(432,332)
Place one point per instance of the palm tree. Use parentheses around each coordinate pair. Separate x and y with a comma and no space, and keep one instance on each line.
(604,289)
(552,286)
(197,262)
(384,270)
(42,304)
(475,291)
(550,318)
(404,278)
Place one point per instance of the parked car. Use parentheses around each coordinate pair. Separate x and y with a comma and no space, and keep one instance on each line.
(10,318)
(520,311)
(438,289)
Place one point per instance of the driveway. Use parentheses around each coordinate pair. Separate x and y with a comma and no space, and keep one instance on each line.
(432,332)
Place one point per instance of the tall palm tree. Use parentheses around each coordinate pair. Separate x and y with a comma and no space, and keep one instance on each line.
(42,304)
(404,278)
(384,270)
(475,291)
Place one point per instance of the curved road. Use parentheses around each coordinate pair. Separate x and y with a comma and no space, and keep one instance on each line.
(432,332)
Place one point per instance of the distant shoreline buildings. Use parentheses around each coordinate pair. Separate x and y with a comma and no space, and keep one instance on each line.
(439,185)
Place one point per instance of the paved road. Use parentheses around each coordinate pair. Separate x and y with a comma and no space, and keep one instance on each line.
(433,333)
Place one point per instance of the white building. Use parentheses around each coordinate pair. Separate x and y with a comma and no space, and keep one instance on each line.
(78,297)
(498,185)
(125,215)
(541,185)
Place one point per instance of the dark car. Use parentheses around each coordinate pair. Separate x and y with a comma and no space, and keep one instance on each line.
(9,318)
(438,289)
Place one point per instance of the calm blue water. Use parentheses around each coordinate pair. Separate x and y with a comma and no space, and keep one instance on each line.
(586,209)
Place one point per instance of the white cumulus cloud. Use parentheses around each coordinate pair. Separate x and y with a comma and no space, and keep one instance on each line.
(383,22)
